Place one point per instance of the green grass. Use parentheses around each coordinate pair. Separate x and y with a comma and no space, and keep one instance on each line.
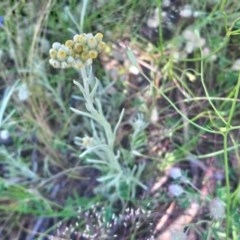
(181,110)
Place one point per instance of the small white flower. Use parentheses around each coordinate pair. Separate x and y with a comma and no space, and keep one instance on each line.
(23,92)
(193,40)
(54,63)
(89,62)
(89,35)
(92,42)
(153,22)
(236,65)
(75,37)
(133,70)
(56,45)
(175,190)
(186,11)
(206,52)
(4,134)
(64,65)
(217,209)
(176,55)
(70,60)
(175,172)
(138,122)
(87,141)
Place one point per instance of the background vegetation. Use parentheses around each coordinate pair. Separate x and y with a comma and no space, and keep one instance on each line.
(173,66)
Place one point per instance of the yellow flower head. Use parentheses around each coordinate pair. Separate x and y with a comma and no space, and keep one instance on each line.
(82,38)
(92,42)
(53,53)
(101,46)
(77,48)
(99,37)
(93,54)
(78,52)
(69,43)
(85,55)
(55,63)
(56,45)
(61,54)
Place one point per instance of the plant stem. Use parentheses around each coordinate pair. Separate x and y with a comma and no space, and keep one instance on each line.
(226,167)
(94,111)
(225,146)
(234,102)
(223,5)
(98,117)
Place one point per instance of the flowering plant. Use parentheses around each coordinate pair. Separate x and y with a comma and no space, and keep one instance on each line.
(118,178)
(78,52)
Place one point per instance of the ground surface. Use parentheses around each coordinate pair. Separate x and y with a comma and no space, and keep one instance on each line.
(173,66)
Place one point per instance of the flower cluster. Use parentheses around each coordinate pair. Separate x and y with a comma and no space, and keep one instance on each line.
(217,209)
(98,223)
(78,52)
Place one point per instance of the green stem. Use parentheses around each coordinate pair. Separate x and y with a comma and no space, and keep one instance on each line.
(234,102)
(226,166)
(223,5)
(97,116)
(208,96)
(175,107)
